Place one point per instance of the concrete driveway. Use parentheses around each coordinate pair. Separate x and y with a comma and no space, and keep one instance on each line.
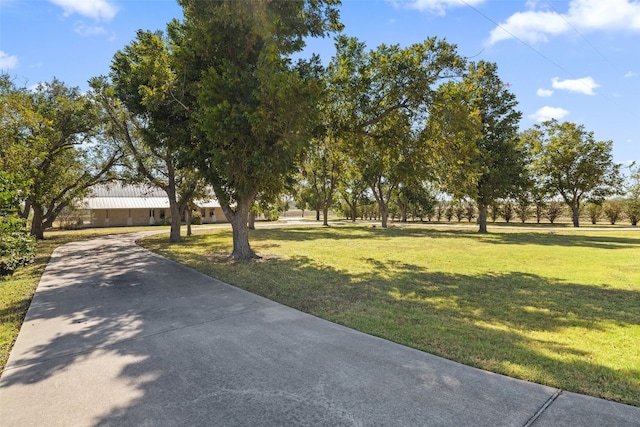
(118,336)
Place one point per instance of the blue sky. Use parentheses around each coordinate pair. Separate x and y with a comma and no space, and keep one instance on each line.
(575,60)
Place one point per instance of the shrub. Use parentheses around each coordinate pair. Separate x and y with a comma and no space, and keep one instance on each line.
(594,210)
(17,248)
(613,210)
(554,210)
(508,210)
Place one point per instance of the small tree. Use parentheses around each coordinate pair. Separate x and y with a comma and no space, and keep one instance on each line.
(571,164)
(508,210)
(594,210)
(449,212)
(554,210)
(523,208)
(469,211)
(495,211)
(632,210)
(613,210)
(459,211)
(441,207)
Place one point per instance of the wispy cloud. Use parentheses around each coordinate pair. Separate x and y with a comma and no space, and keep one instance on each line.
(585,85)
(539,24)
(544,93)
(100,10)
(548,113)
(630,74)
(434,6)
(88,30)
(7,61)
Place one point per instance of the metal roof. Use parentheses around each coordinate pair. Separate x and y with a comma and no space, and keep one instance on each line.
(122,196)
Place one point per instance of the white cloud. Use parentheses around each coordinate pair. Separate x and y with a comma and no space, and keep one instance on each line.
(630,74)
(548,113)
(95,9)
(544,93)
(537,25)
(7,61)
(434,6)
(585,85)
(529,26)
(84,30)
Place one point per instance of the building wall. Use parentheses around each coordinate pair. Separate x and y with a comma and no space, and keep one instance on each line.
(125,217)
(212,215)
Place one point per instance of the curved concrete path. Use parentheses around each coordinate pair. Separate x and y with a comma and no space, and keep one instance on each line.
(118,336)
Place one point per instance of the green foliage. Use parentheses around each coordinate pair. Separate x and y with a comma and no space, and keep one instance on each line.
(57,139)
(632,208)
(594,211)
(252,111)
(17,248)
(523,207)
(377,100)
(473,128)
(569,162)
(508,210)
(553,211)
(613,209)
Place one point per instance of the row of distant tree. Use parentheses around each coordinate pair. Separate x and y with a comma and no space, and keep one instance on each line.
(217,102)
(611,211)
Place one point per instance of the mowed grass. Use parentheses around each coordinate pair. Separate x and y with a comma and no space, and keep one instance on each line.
(560,308)
(17,290)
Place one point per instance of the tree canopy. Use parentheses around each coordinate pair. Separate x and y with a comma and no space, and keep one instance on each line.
(250,106)
(568,161)
(57,140)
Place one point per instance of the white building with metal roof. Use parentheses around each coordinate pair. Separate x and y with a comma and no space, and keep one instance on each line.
(119,204)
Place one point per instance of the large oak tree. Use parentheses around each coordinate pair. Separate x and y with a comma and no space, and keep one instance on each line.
(250,104)
(56,139)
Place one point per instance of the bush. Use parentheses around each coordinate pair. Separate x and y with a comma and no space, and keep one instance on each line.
(196,218)
(594,210)
(632,210)
(554,210)
(17,248)
(613,210)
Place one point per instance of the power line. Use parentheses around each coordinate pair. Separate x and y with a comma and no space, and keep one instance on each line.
(582,37)
(545,57)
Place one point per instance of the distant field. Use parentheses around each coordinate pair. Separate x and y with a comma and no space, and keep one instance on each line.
(559,307)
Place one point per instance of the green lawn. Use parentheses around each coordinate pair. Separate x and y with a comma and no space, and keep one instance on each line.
(561,307)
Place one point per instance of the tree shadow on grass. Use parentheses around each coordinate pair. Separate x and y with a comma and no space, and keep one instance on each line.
(496,322)
(155,323)
(518,237)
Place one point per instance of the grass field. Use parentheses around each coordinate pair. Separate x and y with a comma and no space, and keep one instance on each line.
(16,291)
(560,307)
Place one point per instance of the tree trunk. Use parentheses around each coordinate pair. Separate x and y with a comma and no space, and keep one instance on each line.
(482,218)
(325,214)
(188,218)
(317,214)
(384,214)
(37,228)
(403,212)
(174,235)
(252,220)
(239,225)
(575,210)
